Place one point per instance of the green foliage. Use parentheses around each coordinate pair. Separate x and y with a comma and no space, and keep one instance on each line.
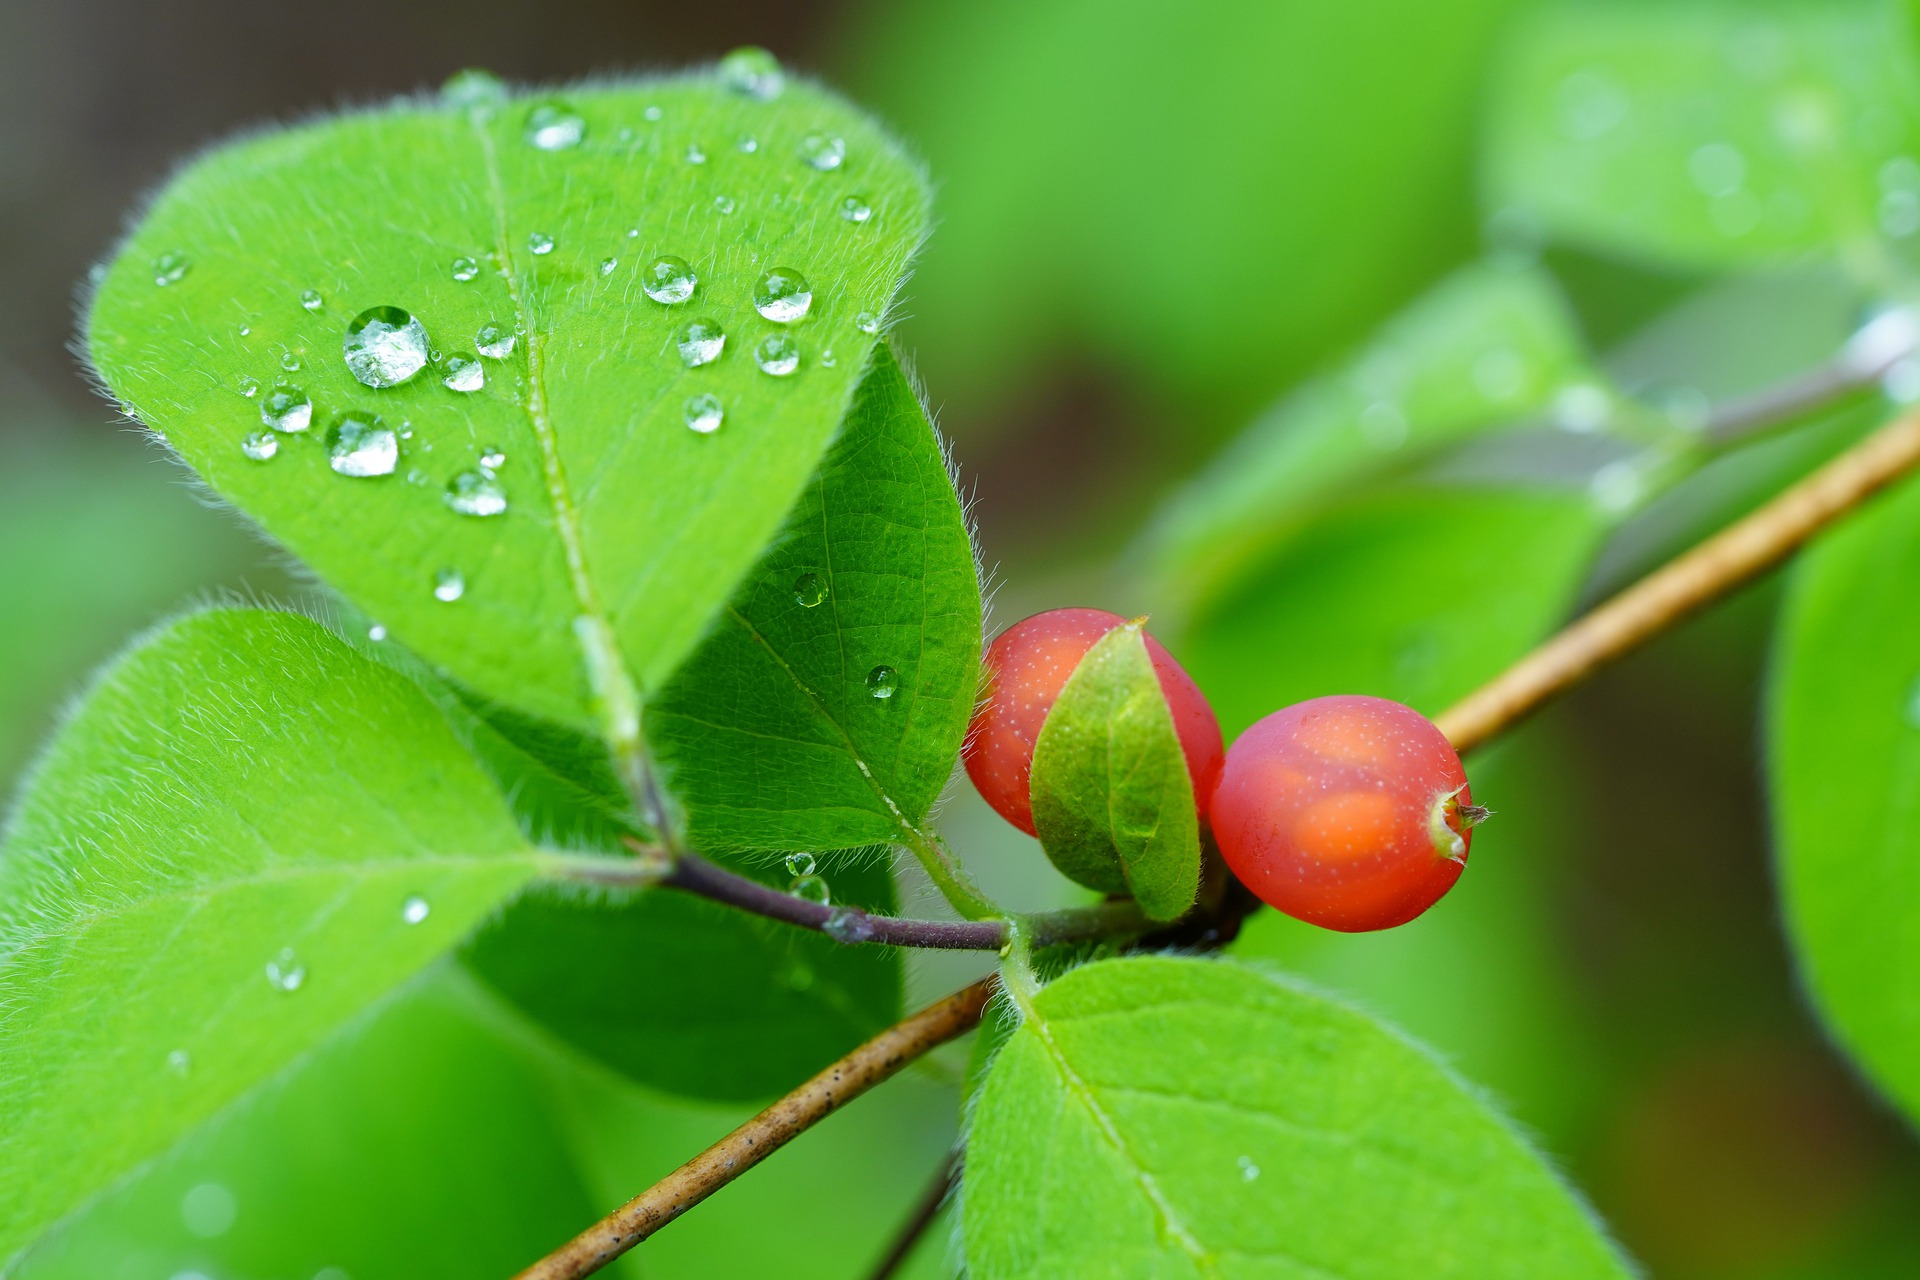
(1173,1117)
(826,707)
(1711,134)
(210,873)
(1112,799)
(1845,754)
(623,529)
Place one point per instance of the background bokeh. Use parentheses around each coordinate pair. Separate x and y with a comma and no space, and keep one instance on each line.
(1155,220)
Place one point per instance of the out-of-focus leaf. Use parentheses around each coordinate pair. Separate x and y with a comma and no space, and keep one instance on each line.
(1172,1117)
(1712,134)
(1844,743)
(1112,799)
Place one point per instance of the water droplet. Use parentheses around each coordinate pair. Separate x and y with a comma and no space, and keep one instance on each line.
(748,144)
(700,342)
(180,1062)
(783,295)
(415,909)
(384,347)
(607,265)
(1592,103)
(290,361)
(1900,213)
(809,590)
(694,154)
(473,88)
(541,243)
(653,113)
(362,445)
(260,445)
(801,864)
(856,209)
(723,204)
(867,322)
(668,279)
(823,151)
(777,354)
(249,387)
(753,71)
(704,413)
(827,359)
(493,457)
(494,341)
(311,299)
(1581,408)
(465,269)
(812,889)
(476,493)
(170,268)
(376,633)
(209,1210)
(554,126)
(449,585)
(287,408)
(847,926)
(882,682)
(1248,1169)
(246,330)
(1616,486)
(464,373)
(285,970)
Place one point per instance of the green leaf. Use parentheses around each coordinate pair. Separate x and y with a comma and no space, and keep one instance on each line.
(624,531)
(432,1113)
(695,998)
(1711,135)
(207,876)
(828,705)
(1487,347)
(1172,1117)
(1415,595)
(1112,799)
(1844,747)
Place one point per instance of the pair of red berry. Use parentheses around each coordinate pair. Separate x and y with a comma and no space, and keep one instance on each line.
(1348,812)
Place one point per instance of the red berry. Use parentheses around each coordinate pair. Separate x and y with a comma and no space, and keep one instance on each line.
(1026,668)
(1347,812)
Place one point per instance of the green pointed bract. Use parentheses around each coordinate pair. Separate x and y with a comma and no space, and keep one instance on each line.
(1112,799)
(560,532)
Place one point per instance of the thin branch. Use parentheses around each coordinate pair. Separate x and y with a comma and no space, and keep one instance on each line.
(873,1062)
(925,1210)
(1868,356)
(1729,559)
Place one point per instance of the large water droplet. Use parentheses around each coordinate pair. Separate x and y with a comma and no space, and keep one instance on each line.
(753,71)
(777,354)
(801,864)
(494,341)
(813,889)
(883,682)
(285,970)
(809,590)
(867,322)
(415,909)
(704,413)
(464,373)
(476,493)
(260,445)
(668,279)
(823,151)
(783,295)
(700,342)
(554,126)
(384,347)
(170,268)
(541,243)
(311,299)
(473,88)
(856,209)
(465,269)
(361,445)
(449,585)
(287,408)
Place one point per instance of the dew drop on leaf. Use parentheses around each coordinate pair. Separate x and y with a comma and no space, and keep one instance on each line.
(180,1062)
(801,864)
(476,493)
(473,88)
(249,387)
(465,269)
(704,413)
(287,408)
(883,681)
(653,113)
(827,359)
(290,361)
(809,590)
(260,445)
(493,457)
(464,373)
(286,971)
(311,299)
(823,151)
(362,445)
(723,204)
(541,243)
(1248,1169)
(384,347)
(607,265)
(554,126)
(494,341)
(777,354)
(867,322)
(747,145)
(376,633)
(694,154)
(753,71)
(700,342)
(170,268)
(856,209)
(209,1209)
(783,295)
(668,279)
(449,585)
(813,889)
(415,909)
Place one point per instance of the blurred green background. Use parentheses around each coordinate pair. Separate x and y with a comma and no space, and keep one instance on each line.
(1155,221)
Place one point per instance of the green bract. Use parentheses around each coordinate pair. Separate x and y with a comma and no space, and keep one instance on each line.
(1112,799)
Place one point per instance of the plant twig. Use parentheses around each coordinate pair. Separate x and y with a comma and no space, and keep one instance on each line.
(878,1059)
(925,1210)
(1734,556)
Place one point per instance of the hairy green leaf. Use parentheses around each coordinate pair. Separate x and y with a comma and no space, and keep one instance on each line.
(1712,134)
(535,222)
(1172,1117)
(827,707)
(1112,799)
(1844,743)
(246,835)
(695,998)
